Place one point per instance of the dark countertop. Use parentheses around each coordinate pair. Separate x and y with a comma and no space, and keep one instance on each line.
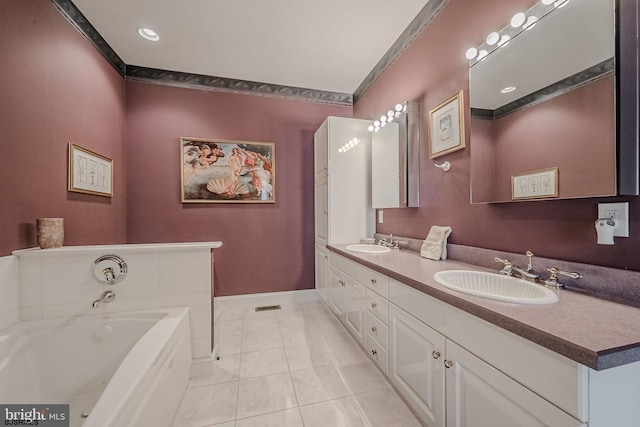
(597,333)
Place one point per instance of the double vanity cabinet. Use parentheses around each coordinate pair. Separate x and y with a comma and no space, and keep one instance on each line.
(455,369)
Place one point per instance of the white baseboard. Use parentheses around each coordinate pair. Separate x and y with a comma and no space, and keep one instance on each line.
(271,298)
(202,367)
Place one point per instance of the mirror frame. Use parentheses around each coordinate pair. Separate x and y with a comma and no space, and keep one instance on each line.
(627,101)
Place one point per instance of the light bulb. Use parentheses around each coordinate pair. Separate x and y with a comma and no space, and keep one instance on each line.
(518,19)
(377,129)
(472,52)
(508,89)
(531,22)
(482,55)
(390,113)
(370,128)
(561,3)
(376,123)
(493,38)
(383,124)
(547,2)
(356,141)
(398,107)
(504,40)
(383,119)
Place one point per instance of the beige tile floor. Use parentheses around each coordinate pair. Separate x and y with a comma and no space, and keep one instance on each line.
(295,367)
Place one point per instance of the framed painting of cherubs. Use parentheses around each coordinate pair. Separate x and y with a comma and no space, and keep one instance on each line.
(224,171)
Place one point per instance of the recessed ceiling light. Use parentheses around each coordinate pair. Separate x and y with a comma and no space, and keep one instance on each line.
(148,34)
(508,89)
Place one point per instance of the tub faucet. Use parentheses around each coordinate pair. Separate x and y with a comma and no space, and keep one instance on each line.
(106,297)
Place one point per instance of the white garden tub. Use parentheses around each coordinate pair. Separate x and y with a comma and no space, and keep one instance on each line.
(126,369)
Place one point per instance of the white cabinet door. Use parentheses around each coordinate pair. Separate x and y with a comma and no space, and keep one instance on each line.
(416,353)
(355,298)
(478,395)
(336,291)
(321,193)
(322,271)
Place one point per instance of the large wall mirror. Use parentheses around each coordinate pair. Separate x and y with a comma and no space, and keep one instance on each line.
(543,108)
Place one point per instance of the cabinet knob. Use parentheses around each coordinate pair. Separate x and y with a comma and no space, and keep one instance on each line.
(436,354)
(448,364)
(374,329)
(374,305)
(373,281)
(375,354)
(341,282)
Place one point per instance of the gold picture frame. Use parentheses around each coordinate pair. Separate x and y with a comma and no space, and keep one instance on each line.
(227,171)
(446,127)
(539,184)
(89,172)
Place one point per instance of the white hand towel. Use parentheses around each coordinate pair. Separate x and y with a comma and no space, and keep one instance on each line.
(435,245)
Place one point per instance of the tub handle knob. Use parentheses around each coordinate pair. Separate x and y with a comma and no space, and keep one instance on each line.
(110,269)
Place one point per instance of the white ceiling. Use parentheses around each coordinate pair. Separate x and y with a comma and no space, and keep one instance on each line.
(328,45)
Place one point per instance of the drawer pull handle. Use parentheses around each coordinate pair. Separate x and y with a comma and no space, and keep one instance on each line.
(373,281)
(374,305)
(436,354)
(375,354)
(374,329)
(448,364)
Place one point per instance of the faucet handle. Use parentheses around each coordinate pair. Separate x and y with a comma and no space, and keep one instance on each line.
(508,266)
(553,279)
(506,262)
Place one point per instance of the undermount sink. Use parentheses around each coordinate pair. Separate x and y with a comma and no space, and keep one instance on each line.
(368,249)
(496,286)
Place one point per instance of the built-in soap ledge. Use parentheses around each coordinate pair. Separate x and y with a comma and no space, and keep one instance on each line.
(601,282)
(100,249)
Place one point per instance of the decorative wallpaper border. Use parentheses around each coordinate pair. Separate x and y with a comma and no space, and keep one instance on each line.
(424,17)
(563,86)
(199,81)
(82,24)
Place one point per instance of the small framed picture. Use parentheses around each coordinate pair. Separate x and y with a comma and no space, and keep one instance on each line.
(535,185)
(446,127)
(89,172)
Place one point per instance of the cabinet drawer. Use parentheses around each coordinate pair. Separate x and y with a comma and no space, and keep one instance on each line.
(376,282)
(353,269)
(378,306)
(377,330)
(377,353)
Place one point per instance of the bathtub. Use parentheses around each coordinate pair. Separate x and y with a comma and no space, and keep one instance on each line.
(115,370)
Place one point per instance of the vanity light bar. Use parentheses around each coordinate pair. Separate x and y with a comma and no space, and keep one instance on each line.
(521,21)
(388,118)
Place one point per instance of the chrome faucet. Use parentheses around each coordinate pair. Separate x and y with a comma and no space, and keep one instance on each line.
(510,269)
(383,241)
(106,297)
(393,244)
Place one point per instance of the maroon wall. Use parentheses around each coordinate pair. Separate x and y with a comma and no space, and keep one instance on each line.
(267,247)
(56,88)
(429,71)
